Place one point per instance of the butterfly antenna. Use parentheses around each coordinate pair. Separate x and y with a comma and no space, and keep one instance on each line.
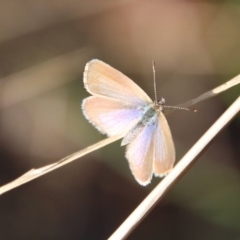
(180,108)
(154,80)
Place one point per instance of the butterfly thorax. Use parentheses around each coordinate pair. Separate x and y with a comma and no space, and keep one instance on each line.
(149,117)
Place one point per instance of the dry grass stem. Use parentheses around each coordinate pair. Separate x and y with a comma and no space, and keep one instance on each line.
(35,173)
(212,93)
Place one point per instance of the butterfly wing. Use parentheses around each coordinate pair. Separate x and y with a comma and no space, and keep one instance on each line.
(152,151)
(110,116)
(164,148)
(100,79)
(117,102)
(140,153)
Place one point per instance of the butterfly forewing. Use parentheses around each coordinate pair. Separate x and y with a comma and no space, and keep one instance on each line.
(164,148)
(103,80)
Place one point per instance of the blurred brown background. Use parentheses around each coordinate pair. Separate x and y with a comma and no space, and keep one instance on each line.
(44,46)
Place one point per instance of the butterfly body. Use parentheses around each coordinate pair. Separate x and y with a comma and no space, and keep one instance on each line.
(148,118)
(119,107)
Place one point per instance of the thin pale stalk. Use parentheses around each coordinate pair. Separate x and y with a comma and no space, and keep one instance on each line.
(209,94)
(35,173)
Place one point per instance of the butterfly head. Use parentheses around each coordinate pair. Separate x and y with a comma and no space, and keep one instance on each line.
(159,104)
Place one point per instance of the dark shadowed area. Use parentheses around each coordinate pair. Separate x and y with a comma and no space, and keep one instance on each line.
(44,46)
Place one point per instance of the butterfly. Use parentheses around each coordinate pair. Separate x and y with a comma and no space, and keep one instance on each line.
(118,106)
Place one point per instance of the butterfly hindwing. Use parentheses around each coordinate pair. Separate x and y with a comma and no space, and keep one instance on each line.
(140,153)
(111,117)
